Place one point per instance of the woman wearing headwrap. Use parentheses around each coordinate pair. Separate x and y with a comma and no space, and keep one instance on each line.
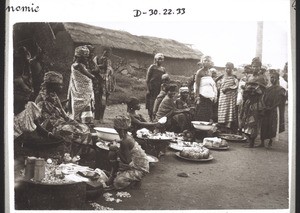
(273,105)
(80,93)
(183,101)
(252,105)
(177,120)
(129,162)
(154,81)
(227,114)
(53,117)
(205,91)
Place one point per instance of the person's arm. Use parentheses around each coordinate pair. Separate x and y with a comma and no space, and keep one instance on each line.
(83,70)
(197,83)
(148,77)
(157,102)
(140,123)
(215,89)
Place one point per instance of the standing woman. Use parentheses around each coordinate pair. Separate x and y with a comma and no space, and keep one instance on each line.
(153,81)
(227,114)
(274,106)
(205,91)
(252,104)
(80,93)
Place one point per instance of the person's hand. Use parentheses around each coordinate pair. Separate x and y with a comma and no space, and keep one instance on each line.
(197,100)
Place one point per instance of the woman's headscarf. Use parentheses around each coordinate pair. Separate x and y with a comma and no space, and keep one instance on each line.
(91,48)
(158,55)
(53,77)
(171,88)
(183,89)
(132,102)
(165,78)
(122,122)
(82,51)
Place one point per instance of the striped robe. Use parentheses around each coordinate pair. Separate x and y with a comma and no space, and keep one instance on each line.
(227,101)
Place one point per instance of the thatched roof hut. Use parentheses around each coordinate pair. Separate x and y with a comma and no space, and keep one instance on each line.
(83,33)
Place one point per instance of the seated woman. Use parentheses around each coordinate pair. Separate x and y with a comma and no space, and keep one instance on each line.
(54,119)
(177,120)
(129,162)
(183,101)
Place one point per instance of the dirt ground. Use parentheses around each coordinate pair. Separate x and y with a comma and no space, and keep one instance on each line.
(238,178)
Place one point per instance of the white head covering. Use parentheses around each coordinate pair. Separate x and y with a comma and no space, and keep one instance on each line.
(183,89)
(205,57)
(158,55)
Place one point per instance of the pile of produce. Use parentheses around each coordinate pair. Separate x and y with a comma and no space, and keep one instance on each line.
(214,142)
(199,152)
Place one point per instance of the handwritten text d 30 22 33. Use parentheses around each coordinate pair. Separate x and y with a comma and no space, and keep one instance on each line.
(155,12)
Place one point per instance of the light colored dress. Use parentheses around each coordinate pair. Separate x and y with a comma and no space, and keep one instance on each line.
(80,93)
(139,166)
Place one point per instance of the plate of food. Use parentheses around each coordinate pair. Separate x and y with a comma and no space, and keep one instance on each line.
(193,159)
(233,137)
(180,145)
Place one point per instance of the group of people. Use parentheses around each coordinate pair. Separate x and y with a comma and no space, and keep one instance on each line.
(44,115)
(253,104)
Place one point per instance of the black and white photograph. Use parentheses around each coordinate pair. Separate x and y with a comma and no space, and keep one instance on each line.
(150,106)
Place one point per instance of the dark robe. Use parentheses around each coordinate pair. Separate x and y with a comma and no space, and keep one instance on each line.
(273,99)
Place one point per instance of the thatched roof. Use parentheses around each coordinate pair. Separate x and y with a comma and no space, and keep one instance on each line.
(84,33)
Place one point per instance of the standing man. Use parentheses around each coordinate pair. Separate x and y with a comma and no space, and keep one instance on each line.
(154,81)
(105,76)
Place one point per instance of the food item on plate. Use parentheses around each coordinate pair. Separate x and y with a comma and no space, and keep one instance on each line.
(224,143)
(195,153)
(214,142)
